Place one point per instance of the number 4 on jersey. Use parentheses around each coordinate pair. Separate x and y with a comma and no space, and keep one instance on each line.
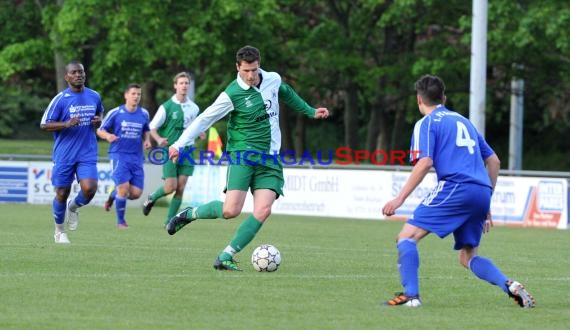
(463,138)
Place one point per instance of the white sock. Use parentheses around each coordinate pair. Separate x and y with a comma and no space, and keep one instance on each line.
(230,250)
(72,206)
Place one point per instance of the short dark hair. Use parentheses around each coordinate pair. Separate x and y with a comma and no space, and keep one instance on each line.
(72,62)
(248,54)
(132,85)
(431,89)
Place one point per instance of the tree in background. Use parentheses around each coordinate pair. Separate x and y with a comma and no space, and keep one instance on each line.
(359,58)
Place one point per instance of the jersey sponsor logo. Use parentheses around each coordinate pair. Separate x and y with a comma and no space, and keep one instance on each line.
(248,102)
(262,117)
(125,123)
(131,130)
(268,104)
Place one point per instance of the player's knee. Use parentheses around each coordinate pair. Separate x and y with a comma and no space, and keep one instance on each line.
(90,192)
(404,236)
(62,194)
(89,189)
(229,213)
(134,195)
(262,214)
(168,189)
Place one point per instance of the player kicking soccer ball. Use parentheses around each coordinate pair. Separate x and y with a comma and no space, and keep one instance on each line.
(251,103)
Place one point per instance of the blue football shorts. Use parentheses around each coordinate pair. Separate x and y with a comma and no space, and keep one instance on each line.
(458,208)
(63,174)
(128,171)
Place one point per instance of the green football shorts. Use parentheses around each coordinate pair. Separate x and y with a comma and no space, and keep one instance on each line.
(255,175)
(172,170)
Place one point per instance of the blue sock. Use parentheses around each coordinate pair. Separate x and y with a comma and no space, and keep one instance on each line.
(486,270)
(113,194)
(120,206)
(79,201)
(58,211)
(409,263)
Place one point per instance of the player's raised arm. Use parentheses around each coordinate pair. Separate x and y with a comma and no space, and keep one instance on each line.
(288,95)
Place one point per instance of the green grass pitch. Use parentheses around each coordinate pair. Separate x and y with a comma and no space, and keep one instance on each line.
(334,275)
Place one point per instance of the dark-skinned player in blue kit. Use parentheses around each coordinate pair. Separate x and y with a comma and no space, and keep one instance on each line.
(72,116)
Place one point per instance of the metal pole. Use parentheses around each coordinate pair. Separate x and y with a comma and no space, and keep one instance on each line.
(478,65)
(516,124)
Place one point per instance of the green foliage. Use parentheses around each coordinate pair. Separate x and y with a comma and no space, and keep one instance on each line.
(10,102)
(358,58)
(18,21)
(19,106)
(23,56)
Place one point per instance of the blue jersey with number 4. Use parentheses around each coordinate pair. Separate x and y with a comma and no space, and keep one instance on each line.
(458,151)
(129,127)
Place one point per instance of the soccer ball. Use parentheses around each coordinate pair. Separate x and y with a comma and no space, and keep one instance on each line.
(266,258)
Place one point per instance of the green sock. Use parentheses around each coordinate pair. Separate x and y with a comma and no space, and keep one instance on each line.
(244,234)
(211,210)
(158,193)
(173,209)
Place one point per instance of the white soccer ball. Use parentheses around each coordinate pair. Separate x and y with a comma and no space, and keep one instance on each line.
(266,258)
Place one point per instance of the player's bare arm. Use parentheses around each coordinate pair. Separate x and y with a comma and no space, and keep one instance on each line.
(96,121)
(59,125)
(173,154)
(146,141)
(488,223)
(109,137)
(420,170)
(162,142)
(493,165)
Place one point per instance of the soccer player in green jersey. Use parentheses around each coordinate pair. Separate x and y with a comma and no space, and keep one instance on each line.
(172,117)
(251,103)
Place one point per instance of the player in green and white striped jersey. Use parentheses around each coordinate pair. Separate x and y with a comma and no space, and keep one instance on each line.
(172,117)
(251,103)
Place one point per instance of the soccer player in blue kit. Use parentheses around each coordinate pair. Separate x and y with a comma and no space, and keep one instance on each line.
(467,170)
(126,128)
(71,116)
